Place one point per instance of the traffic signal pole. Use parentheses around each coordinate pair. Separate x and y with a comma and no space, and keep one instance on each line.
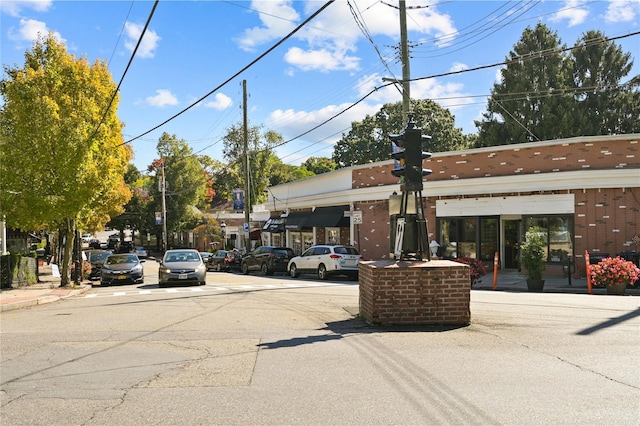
(409,227)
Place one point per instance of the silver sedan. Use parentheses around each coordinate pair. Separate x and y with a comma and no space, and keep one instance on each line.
(181,266)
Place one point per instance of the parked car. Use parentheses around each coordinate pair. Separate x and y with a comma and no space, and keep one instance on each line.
(218,261)
(326,260)
(267,259)
(205,255)
(122,269)
(126,247)
(234,260)
(182,266)
(96,258)
(141,252)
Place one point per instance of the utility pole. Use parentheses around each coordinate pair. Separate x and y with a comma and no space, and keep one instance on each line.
(406,74)
(247,194)
(164,211)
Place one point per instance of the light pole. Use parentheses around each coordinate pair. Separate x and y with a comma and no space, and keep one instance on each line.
(223,227)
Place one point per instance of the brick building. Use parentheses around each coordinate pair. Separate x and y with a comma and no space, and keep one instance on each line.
(584,191)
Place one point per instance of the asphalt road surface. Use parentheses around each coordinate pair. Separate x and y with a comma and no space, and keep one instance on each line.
(274,350)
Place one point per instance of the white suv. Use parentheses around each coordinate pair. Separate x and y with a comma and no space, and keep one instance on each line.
(326,260)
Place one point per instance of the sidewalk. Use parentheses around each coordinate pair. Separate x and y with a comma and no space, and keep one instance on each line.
(49,290)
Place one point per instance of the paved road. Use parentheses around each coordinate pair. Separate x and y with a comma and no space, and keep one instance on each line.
(273,350)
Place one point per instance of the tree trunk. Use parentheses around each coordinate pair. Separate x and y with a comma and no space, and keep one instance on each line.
(67,252)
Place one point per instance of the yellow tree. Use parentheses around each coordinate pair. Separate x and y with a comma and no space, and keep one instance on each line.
(62,156)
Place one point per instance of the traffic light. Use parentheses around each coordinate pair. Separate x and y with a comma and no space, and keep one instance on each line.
(398,154)
(407,151)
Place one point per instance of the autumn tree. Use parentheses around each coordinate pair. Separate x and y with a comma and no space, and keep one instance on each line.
(62,155)
(368,140)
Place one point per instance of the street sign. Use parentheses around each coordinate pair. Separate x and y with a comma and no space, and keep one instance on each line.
(245,227)
(357,217)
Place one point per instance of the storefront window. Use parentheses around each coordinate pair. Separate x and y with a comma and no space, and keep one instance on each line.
(558,234)
(458,237)
(488,238)
(296,242)
(332,236)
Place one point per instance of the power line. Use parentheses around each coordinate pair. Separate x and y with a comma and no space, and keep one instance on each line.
(528,57)
(133,54)
(295,30)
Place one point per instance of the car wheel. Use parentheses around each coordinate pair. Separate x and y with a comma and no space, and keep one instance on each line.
(293,271)
(264,269)
(245,268)
(322,272)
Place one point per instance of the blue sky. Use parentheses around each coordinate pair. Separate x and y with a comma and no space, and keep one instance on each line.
(192,47)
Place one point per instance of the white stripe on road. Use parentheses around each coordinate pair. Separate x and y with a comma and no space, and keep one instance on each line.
(213,288)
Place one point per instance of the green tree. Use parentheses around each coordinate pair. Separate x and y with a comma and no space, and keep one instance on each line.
(62,155)
(185,180)
(259,152)
(368,140)
(283,173)
(529,102)
(319,165)
(603,104)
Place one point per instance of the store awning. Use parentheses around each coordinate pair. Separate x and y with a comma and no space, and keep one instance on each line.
(297,221)
(329,217)
(255,235)
(275,225)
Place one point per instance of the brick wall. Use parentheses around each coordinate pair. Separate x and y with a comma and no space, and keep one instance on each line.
(518,159)
(421,293)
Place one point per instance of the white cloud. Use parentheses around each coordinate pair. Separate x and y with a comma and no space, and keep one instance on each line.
(29,30)
(162,98)
(622,11)
(322,59)
(13,8)
(220,102)
(457,66)
(278,19)
(149,41)
(572,12)
(330,39)
(291,123)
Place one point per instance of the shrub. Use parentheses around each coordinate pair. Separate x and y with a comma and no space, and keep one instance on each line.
(477,269)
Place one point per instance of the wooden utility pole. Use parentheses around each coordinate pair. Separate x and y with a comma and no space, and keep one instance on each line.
(163,184)
(406,74)
(247,194)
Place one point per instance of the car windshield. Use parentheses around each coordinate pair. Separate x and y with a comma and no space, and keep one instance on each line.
(118,260)
(98,257)
(346,250)
(183,256)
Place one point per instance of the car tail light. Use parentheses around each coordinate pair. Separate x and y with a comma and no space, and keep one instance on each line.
(335,256)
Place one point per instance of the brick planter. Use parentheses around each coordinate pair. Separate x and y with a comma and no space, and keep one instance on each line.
(395,293)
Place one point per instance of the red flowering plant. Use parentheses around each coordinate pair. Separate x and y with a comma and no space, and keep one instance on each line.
(614,270)
(476,268)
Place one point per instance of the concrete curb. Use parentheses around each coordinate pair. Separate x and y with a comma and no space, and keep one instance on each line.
(41,300)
